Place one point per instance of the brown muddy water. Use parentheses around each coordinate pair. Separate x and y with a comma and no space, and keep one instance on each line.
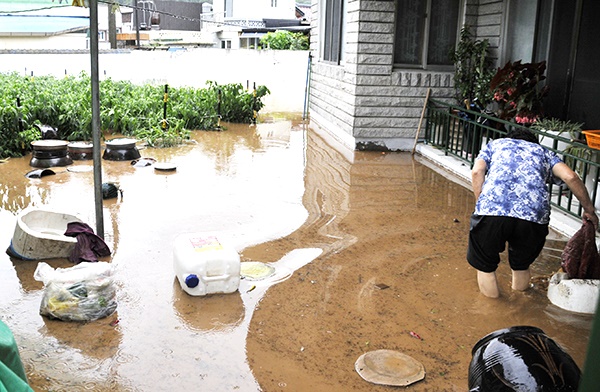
(375,245)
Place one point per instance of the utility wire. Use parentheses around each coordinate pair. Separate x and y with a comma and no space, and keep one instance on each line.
(190,19)
(35,9)
(152,11)
(113,3)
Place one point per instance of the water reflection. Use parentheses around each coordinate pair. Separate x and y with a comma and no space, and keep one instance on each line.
(26,268)
(247,181)
(98,339)
(219,312)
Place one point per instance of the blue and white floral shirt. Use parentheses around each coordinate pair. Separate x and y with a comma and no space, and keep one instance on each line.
(516,181)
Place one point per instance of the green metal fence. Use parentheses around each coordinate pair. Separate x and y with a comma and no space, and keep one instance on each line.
(462,133)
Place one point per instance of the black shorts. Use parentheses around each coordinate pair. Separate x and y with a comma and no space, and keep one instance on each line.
(488,237)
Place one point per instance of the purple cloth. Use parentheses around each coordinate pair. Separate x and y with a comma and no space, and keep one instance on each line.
(89,246)
(580,258)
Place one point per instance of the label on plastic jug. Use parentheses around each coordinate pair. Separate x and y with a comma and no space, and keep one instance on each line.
(203,244)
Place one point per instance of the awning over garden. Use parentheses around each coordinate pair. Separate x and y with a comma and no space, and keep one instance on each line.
(41,25)
(252,35)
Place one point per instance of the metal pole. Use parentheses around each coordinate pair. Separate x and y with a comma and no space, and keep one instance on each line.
(254,113)
(219,95)
(96,117)
(112,25)
(165,99)
(307,87)
(590,378)
(20,114)
(137,24)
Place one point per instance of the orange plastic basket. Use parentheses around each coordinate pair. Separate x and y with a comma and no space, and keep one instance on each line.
(593,138)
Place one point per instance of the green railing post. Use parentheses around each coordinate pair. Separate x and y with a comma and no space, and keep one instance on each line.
(590,379)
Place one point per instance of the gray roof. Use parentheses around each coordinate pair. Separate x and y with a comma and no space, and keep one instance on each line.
(41,25)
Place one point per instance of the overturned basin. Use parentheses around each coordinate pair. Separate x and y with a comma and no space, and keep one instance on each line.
(39,235)
(575,295)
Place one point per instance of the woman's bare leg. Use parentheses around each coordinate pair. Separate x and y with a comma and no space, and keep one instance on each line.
(521,279)
(488,284)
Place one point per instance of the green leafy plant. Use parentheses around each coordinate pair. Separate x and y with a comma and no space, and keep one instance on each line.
(125,108)
(285,40)
(559,126)
(575,148)
(518,93)
(472,70)
(244,109)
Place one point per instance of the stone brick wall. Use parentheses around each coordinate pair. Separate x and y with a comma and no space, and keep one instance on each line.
(490,24)
(365,101)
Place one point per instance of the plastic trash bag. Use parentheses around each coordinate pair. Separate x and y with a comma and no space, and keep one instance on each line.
(84,292)
(580,258)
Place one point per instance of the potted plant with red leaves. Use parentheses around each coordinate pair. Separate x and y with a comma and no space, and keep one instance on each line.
(516,88)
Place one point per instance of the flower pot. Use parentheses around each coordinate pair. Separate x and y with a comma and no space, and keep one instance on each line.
(121,149)
(49,153)
(549,142)
(81,150)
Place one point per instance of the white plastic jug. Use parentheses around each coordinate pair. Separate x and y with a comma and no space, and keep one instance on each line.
(205,264)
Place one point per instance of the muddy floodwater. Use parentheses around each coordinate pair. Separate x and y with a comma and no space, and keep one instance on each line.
(369,247)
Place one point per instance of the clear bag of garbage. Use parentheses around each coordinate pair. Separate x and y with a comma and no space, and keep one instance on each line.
(83,292)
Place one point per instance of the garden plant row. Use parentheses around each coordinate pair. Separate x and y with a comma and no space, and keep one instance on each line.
(128,109)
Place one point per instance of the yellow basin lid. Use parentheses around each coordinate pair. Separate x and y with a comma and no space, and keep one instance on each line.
(256,270)
(389,367)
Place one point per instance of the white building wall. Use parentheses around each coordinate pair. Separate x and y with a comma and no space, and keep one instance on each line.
(73,41)
(283,72)
(256,9)
(247,13)
(264,9)
(332,93)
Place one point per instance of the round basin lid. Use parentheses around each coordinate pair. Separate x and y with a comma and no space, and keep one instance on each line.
(80,168)
(121,142)
(389,367)
(81,145)
(256,270)
(49,144)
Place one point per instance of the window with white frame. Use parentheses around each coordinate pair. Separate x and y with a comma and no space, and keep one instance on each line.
(332,20)
(249,43)
(273,3)
(426,32)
